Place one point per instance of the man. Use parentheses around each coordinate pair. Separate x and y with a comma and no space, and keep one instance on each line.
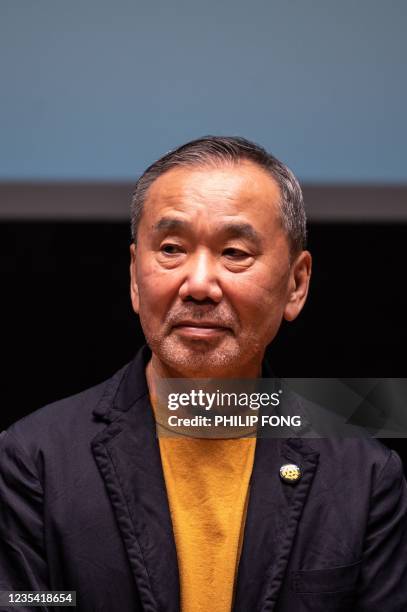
(91,501)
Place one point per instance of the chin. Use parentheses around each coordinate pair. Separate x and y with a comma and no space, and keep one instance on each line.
(199,359)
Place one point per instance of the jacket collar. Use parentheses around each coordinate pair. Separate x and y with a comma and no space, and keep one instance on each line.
(125,388)
(128,457)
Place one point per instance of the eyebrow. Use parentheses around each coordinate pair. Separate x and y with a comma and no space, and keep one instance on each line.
(169,224)
(241,230)
(231,230)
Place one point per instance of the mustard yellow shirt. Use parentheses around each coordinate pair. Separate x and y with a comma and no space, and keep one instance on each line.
(207,485)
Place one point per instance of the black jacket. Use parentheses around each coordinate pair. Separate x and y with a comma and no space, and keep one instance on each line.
(83,506)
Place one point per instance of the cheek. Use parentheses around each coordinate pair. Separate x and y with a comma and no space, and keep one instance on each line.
(157,289)
(258,300)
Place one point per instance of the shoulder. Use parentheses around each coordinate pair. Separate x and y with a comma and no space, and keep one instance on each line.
(61,423)
(364,461)
(360,450)
(362,447)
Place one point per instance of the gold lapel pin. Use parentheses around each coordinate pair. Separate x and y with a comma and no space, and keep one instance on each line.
(291,473)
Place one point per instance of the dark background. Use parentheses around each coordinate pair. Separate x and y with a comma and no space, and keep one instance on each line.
(68,322)
(94,91)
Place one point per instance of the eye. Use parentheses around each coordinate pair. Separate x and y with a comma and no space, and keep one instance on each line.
(170,249)
(232,253)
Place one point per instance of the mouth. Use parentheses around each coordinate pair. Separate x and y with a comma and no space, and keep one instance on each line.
(200,329)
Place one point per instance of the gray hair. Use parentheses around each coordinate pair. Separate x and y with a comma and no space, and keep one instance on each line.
(219,150)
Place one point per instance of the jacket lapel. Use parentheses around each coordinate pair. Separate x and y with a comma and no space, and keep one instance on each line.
(273,513)
(128,457)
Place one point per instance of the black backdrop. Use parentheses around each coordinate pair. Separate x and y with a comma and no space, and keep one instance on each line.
(67,321)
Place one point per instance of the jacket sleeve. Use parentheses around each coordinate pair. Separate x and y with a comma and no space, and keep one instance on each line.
(383,580)
(22,557)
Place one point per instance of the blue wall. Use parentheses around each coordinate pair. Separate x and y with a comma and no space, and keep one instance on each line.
(97,89)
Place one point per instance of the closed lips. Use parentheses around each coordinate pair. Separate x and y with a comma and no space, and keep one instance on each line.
(200,324)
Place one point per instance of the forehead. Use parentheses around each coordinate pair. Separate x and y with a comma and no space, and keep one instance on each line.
(241,190)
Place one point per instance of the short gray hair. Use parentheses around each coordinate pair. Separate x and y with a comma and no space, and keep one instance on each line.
(219,150)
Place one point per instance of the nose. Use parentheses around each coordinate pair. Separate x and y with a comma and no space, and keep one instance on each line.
(201,278)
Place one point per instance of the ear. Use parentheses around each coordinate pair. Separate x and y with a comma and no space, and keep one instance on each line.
(133,278)
(300,274)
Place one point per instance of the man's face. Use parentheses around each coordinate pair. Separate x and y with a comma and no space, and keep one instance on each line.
(210,276)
